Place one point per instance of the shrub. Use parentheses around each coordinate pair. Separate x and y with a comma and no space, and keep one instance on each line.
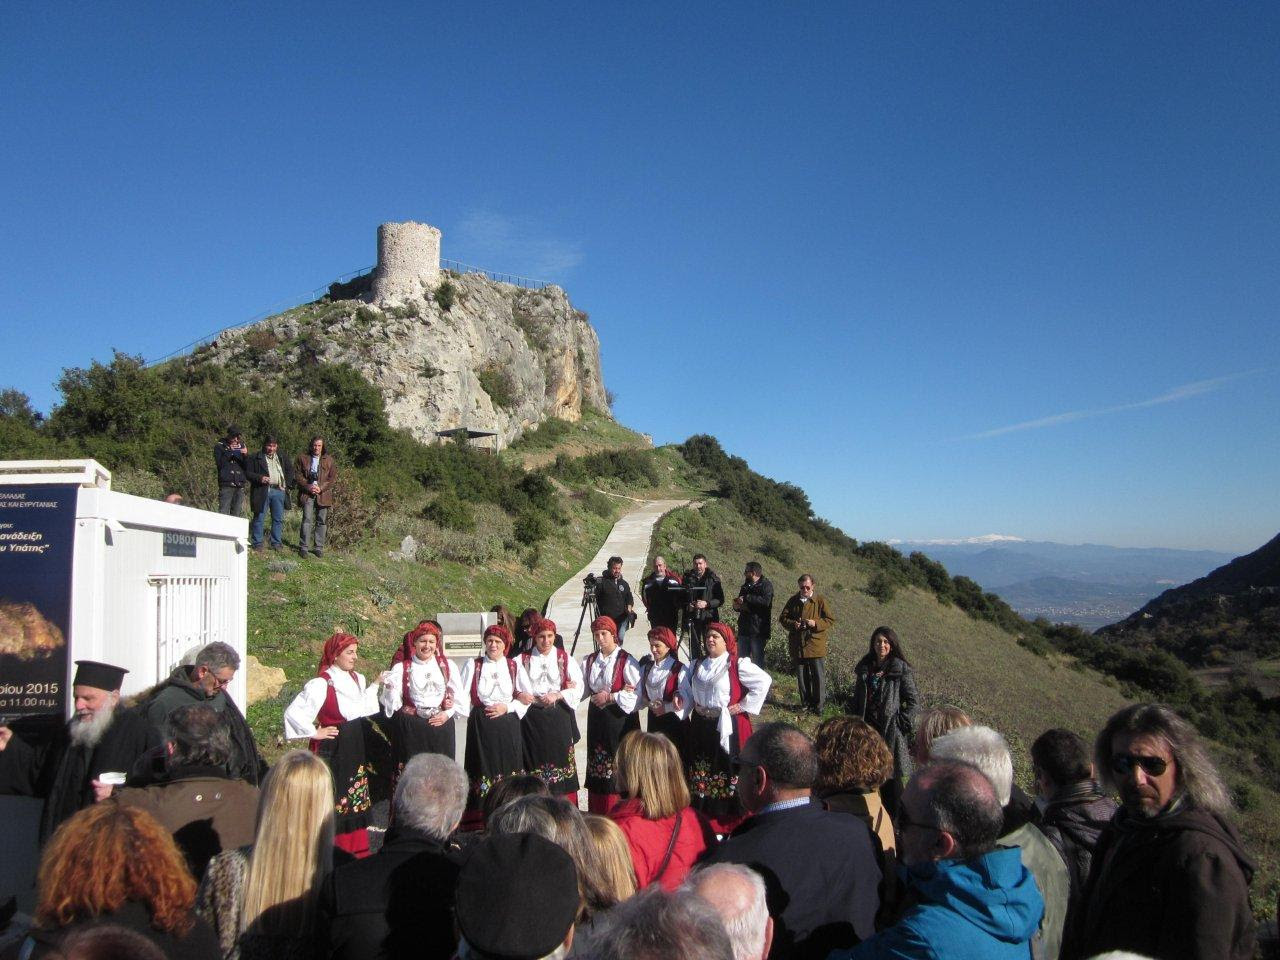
(365,315)
(446,295)
(778,549)
(448,510)
(352,517)
(355,413)
(881,587)
(596,502)
(496,381)
(531,527)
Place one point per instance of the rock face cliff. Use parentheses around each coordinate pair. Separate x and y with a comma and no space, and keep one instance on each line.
(447,350)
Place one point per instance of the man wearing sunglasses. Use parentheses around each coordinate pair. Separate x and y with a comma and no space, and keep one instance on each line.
(1170,877)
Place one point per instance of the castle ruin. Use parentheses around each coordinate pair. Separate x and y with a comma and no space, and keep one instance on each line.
(408,261)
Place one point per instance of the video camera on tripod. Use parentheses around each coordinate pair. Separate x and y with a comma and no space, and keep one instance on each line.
(589,584)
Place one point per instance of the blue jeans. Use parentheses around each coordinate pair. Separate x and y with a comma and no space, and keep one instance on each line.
(275,503)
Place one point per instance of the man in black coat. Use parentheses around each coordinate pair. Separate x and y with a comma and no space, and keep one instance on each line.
(660,592)
(272,478)
(754,604)
(613,597)
(704,597)
(84,761)
(229,455)
(820,868)
(1170,877)
(399,903)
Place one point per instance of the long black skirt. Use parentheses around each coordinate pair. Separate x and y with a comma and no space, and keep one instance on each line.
(670,726)
(494,750)
(606,726)
(549,736)
(412,734)
(346,755)
(712,782)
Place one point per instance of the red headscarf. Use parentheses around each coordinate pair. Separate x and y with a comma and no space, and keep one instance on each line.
(405,651)
(542,626)
(332,647)
(498,630)
(730,641)
(604,623)
(664,635)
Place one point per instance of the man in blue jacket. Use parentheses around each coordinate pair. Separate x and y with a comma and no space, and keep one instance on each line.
(972,900)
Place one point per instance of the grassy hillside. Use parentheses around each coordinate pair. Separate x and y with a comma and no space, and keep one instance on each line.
(958,660)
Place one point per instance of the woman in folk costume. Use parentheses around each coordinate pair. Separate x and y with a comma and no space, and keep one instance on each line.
(549,726)
(612,676)
(659,686)
(720,690)
(418,695)
(331,711)
(487,696)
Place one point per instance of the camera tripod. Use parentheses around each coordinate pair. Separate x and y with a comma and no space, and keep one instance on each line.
(588,604)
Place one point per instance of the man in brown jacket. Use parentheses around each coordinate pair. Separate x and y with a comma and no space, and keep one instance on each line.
(205,809)
(315,474)
(807,618)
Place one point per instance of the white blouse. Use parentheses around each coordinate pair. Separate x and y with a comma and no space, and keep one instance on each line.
(544,675)
(655,685)
(599,677)
(355,699)
(494,686)
(706,687)
(427,687)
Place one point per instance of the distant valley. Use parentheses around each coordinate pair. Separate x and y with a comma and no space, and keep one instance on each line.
(1086,584)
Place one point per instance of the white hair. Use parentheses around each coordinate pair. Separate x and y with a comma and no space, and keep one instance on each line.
(983,748)
(1120,955)
(747,927)
(431,794)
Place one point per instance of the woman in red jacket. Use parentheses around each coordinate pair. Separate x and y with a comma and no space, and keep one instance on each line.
(666,835)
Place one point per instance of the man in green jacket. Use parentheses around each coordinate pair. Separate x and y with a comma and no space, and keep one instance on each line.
(807,618)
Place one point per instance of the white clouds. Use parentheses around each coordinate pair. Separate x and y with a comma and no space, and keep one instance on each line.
(1186,391)
(508,245)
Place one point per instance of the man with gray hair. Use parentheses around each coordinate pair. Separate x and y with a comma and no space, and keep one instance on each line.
(656,925)
(969,899)
(1170,877)
(987,750)
(737,893)
(205,681)
(399,902)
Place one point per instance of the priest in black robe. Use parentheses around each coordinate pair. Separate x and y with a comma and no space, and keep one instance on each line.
(66,765)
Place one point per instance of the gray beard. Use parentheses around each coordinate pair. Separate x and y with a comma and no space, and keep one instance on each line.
(88,733)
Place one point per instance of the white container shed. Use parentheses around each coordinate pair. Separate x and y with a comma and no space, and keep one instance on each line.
(149,579)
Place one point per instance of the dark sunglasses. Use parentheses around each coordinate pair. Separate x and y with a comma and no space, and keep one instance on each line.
(1122,764)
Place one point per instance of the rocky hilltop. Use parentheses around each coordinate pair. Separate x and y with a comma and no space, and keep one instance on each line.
(446,349)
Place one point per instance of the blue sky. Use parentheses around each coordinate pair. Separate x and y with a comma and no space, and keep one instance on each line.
(953,268)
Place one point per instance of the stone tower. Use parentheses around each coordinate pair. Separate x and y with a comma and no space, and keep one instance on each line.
(408,261)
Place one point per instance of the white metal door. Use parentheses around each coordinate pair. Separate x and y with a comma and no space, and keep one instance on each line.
(191,611)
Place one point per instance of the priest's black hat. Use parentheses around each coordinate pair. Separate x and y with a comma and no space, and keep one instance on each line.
(103,676)
(496,912)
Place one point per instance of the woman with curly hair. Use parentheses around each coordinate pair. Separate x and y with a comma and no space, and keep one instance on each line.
(853,761)
(262,899)
(488,688)
(884,695)
(111,862)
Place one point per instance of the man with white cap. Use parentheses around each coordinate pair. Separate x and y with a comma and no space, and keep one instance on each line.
(88,759)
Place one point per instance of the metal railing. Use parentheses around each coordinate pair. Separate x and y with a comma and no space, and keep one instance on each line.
(457,266)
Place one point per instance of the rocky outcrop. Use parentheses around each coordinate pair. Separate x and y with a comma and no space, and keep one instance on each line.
(468,352)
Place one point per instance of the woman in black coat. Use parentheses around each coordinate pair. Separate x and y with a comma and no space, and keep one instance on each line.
(885,696)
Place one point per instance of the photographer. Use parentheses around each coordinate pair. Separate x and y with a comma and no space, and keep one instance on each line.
(705,595)
(754,604)
(613,597)
(660,593)
(315,475)
(228,454)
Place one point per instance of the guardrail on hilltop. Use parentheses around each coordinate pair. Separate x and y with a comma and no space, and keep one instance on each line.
(457,266)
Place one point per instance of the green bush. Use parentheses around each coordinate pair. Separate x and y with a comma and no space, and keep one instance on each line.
(596,502)
(531,528)
(448,510)
(446,295)
(881,587)
(496,381)
(778,549)
(631,468)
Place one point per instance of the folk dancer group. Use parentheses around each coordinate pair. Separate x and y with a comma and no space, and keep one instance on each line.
(521,714)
